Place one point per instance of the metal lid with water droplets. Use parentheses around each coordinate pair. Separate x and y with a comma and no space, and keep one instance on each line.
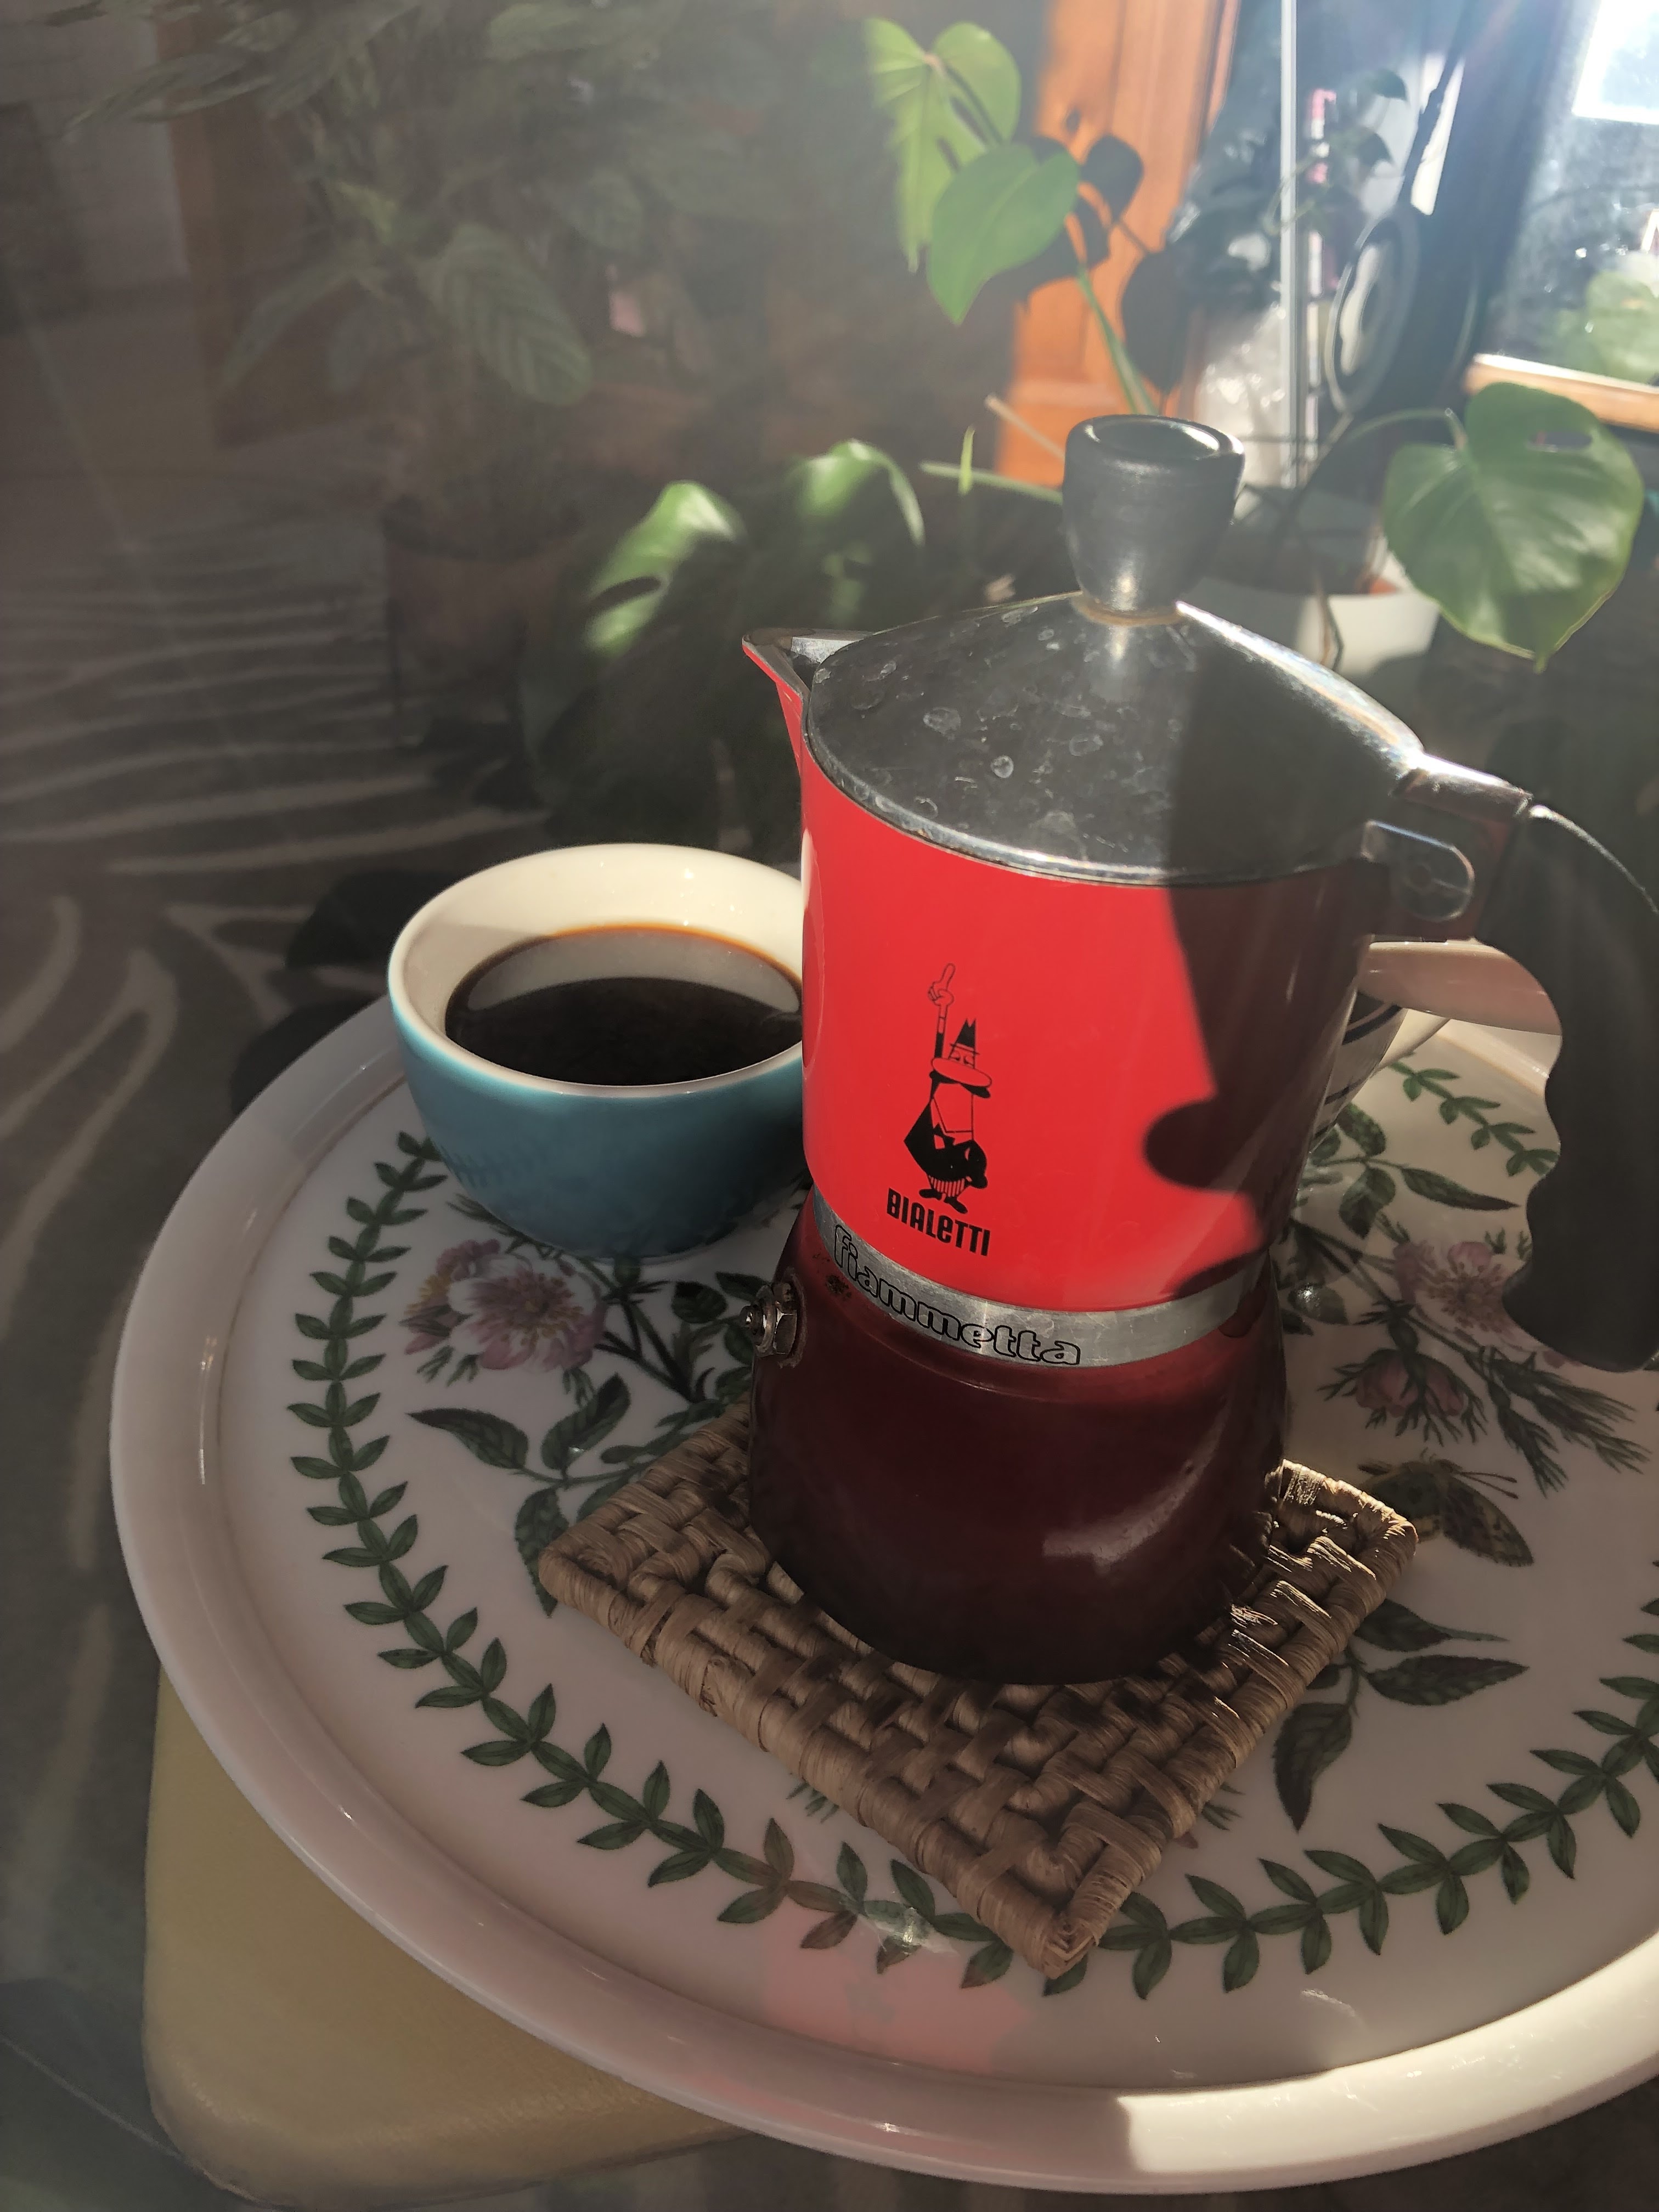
(1111,732)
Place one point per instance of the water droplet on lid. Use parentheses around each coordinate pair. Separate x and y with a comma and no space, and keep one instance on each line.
(1045,634)
(1084,742)
(1002,766)
(944,719)
(887,667)
(927,806)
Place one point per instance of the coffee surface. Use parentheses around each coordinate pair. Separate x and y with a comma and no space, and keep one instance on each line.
(624,1006)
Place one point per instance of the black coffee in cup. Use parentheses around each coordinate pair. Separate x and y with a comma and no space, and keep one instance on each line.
(626,1005)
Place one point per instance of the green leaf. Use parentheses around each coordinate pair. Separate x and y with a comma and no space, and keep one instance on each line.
(824,1934)
(929,134)
(554,26)
(591,1421)
(1315,1945)
(697,1303)
(486,1436)
(1310,1738)
(679,1866)
(1444,1192)
(502,1751)
(1451,1903)
(1616,332)
(179,86)
(540,1519)
(1517,540)
(1374,1921)
(700,171)
(1059,1983)
(850,1874)
(551,1795)
(1364,1199)
(1442,1679)
(603,207)
(1623,1806)
(1517,1874)
(500,306)
(999,211)
(404,1656)
(1563,1845)
(686,521)
(1217,1900)
(752,1906)
(1357,1125)
(279,310)
(1287,1880)
(916,1893)
(1395,1627)
(615,1836)
(372,1614)
(1241,1962)
(1151,1964)
(334,37)
(988,1964)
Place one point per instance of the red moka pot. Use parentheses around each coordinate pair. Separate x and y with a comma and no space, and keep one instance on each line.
(1087,881)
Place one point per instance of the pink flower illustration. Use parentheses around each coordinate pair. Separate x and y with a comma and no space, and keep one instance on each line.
(1385,1384)
(527,1317)
(463,1261)
(1463,1286)
(431,1318)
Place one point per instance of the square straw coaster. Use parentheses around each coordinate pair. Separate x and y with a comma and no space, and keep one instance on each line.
(1039,1809)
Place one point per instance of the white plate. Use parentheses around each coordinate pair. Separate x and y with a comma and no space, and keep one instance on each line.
(1474,2016)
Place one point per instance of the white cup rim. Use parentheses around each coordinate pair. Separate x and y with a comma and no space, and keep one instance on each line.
(623,861)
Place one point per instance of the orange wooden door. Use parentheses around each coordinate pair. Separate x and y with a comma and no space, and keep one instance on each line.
(1151,72)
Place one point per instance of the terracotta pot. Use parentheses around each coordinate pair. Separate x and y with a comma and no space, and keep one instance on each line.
(459,617)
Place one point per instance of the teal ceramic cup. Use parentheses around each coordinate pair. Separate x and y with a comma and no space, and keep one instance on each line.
(641,1171)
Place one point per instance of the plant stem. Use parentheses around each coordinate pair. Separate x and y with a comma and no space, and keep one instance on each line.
(1002,408)
(952,470)
(1135,391)
(1350,434)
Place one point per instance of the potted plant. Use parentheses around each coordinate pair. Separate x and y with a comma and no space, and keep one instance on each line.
(1516,530)
(529,226)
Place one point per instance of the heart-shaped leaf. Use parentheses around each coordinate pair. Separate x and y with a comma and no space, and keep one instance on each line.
(943,109)
(501,306)
(998,212)
(1520,530)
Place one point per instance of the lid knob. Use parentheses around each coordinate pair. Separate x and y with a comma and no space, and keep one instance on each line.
(1146,500)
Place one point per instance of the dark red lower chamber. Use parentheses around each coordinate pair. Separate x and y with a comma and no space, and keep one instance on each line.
(980,1519)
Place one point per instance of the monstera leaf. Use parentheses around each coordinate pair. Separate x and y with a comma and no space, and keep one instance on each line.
(997,212)
(1520,529)
(1616,332)
(501,306)
(942,108)
(686,521)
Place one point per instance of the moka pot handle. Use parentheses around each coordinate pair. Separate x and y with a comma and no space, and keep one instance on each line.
(1531,884)
(1586,930)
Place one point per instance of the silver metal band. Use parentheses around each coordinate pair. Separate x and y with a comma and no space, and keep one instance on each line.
(1034,1335)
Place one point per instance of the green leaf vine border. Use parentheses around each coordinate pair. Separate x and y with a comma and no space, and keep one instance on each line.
(909,1920)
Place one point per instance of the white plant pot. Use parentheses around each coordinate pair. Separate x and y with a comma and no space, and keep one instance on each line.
(1375,639)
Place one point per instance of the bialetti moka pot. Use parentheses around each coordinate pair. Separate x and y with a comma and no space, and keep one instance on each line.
(1089,880)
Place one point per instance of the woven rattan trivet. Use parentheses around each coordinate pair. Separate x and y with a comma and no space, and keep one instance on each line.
(1038,1809)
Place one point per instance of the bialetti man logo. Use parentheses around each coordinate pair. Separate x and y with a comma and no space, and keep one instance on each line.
(941,1141)
(1012,1339)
